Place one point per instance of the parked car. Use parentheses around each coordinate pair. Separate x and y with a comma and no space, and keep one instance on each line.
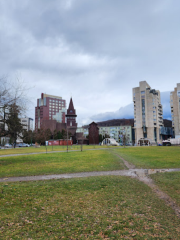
(32,145)
(171,141)
(24,145)
(7,145)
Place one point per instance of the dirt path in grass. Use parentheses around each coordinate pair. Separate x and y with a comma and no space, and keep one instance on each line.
(127,164)
(144,176)
(168,200)
(137,173)
(69,175)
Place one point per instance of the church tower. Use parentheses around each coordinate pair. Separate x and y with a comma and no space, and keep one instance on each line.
(71,120)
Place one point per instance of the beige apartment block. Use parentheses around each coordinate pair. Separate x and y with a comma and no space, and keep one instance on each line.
(147,112)
(175,110)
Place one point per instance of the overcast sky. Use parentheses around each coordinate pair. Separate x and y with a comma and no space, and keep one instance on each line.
(95,51)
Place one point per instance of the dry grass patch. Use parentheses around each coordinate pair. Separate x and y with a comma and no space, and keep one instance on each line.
(88,208)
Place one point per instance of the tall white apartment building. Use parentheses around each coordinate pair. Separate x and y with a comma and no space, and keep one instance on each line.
(147,112)
(175,110)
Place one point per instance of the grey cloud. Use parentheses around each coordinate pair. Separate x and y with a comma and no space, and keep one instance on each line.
(128,112)
(96,50)
(123,112)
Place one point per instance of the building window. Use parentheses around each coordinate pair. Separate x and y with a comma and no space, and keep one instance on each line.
(143,112)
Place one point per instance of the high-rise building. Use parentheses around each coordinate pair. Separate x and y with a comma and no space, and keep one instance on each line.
(49,107)
(175,110)
(147,112)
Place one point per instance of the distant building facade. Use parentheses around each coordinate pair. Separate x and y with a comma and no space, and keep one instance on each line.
(84,130)
(27,123)
(117,128)
(147,112)
(114,128)
(48,108)
(175,110)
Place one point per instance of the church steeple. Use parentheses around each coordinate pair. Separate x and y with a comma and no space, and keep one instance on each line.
(71,111)
(71,117)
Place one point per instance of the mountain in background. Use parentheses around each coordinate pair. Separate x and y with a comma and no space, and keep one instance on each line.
(128,110)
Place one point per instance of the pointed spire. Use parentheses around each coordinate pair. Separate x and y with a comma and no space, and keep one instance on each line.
(71,111)
(71,106)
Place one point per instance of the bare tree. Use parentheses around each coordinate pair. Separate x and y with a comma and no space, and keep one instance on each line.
(13,93)
(12,97)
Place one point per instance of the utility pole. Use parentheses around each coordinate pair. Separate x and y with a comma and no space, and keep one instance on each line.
(81,144)
(67,138)
(52,141)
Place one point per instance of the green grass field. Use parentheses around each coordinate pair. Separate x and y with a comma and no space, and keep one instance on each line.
(57,163)
(151,157)
(41,149)
(88,208)
(88,160)
(169,183)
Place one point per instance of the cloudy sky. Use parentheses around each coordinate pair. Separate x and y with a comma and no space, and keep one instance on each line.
(95,51)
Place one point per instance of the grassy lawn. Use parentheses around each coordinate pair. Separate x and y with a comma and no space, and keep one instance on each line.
(57,163)
(151,157)
(27,150)
(169,183)
(89,208)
